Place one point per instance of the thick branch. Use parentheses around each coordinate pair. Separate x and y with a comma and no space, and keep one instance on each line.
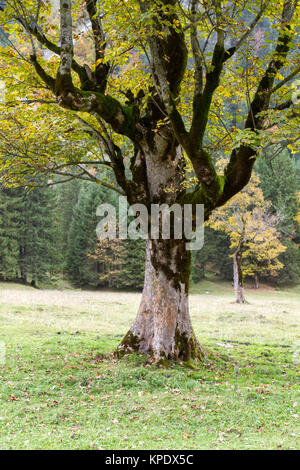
(64,78)
(37,32)
(262,96)
(166,95)
(170,45)
(201,111)
(196,49)
(102,69)
(47,79)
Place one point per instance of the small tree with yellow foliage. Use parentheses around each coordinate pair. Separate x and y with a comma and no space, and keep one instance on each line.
(254,237)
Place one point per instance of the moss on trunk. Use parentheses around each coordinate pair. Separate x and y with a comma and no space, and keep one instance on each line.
(162,328)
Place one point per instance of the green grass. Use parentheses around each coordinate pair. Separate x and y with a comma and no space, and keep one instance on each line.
(60,387)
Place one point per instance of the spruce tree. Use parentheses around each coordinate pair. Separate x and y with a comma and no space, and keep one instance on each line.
(27,235)
(37,237)
(11,206)
(133,258)
(280,183)
(214,259)
(82,237)
(278,178)
(66,197)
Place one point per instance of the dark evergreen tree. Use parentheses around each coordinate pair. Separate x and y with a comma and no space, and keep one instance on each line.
(27,235)
(82,237)
(11,206)
(278,177)
(133,258)
(290,273)
(214,259)
(37,237)
(279,182)
(66,197)
(121,263)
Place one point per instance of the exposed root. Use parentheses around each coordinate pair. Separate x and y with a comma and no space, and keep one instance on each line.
(186,351)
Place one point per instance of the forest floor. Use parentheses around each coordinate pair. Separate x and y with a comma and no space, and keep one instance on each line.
(61,388)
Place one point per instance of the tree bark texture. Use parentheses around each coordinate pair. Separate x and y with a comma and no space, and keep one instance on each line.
(163,327)
(238,276)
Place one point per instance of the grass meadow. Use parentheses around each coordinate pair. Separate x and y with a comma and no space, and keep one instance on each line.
(61,387)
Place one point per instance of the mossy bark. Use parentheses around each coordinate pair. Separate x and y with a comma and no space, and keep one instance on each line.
(162,328)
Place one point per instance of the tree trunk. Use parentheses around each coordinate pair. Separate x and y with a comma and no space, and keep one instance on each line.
(238,275)
(256,281)
(162,328)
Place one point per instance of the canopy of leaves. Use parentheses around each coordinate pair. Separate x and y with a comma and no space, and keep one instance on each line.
(213,55)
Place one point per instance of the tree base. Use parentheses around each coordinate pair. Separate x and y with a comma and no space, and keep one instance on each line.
(162,328)
(240,296)
(186,350)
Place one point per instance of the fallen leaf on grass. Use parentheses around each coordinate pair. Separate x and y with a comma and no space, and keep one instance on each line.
(13,398)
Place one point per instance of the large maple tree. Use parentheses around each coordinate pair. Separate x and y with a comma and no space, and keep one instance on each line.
(155,83)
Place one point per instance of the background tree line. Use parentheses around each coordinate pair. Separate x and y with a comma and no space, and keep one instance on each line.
(49,233)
